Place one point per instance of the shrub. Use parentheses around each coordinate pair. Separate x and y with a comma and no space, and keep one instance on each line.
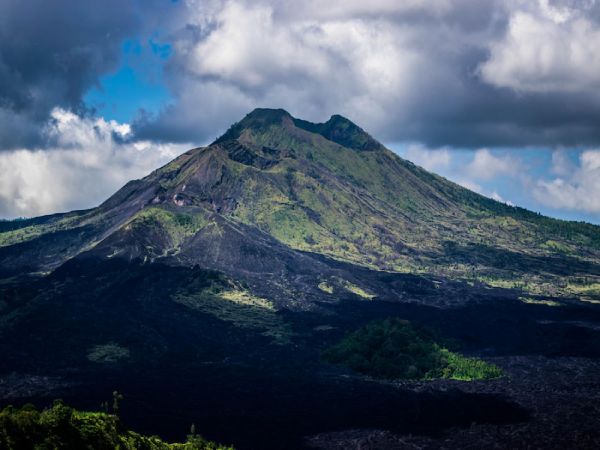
(395,349)
(65,428)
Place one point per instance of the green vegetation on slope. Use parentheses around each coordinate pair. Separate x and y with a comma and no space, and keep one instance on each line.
(394,349)
(108,353)
(65,428)
(375,209)
(177,225)
(237,306)
(23,230)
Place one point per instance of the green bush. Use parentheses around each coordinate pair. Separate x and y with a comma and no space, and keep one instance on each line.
(394,349)
(64,428)
(469,369)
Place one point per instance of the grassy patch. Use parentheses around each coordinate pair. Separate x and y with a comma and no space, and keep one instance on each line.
(108,353)
(62,427)
(178,226)
(238,307)
(558,247)
(533,301)
(585,289)
(325,287)
(245,298)
(394,349)
(27,232)
(461,368)
(357,290)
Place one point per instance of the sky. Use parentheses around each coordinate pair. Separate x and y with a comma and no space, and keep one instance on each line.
(500,96)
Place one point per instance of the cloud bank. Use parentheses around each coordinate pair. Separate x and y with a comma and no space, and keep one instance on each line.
(458,73)
(442,73)
(89,162)
(576,187)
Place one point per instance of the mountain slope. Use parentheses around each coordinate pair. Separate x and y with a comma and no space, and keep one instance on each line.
(273,185)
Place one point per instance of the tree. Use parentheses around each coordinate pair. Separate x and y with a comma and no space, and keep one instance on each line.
(117,397)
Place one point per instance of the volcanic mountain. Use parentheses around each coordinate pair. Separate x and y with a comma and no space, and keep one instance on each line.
(281,235)
(275,194)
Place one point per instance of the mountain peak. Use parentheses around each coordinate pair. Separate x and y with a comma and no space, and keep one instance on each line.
(257,119)
(337,129)
(342,131)
(338,118)
(267,114)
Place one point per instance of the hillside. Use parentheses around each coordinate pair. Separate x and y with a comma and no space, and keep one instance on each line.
(274,185)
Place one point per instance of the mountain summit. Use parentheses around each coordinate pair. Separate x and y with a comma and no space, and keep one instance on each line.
(337,129)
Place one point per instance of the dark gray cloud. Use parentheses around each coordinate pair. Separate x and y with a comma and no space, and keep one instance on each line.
(449,72)
(51,53)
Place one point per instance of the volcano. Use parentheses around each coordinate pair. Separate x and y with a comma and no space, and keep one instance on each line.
(240,261)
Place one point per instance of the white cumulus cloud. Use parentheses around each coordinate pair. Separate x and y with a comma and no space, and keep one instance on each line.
(430,159)
(546,49)
(486,165)
(578,190)
(88,162)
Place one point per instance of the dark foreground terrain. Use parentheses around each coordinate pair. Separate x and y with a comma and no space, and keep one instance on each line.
(255,393)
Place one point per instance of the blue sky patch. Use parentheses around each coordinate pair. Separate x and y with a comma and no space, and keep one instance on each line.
(136,85)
